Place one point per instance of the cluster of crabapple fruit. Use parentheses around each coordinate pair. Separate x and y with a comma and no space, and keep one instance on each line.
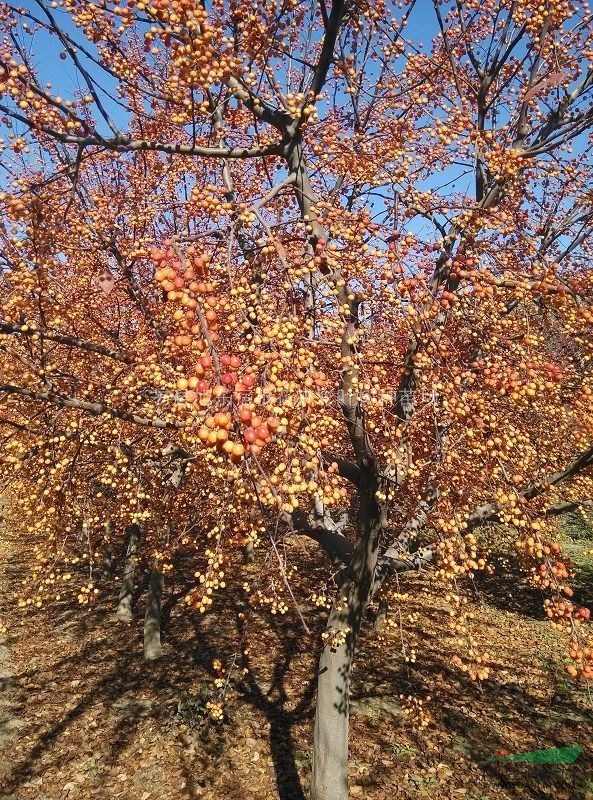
(550,370)
(416,711)
(175,275)
(183,280)
(563,613)
(581,652)
(256,432)
(551,574)
(236,430)
(201,387)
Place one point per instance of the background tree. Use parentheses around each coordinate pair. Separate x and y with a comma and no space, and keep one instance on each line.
(275,270)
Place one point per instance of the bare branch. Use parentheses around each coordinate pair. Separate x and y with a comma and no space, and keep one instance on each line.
(332,29)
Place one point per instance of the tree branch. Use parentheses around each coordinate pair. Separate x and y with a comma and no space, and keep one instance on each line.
(346,469)
(566,508)
(332,29)
(336,546)
(69,341)
(125,144)
(96,409)
(489,512)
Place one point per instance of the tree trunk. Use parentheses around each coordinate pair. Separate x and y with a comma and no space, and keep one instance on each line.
(330,738)
(124,608)
(152,618)
(248,552)
(330,744)
(107,568)
(381,617)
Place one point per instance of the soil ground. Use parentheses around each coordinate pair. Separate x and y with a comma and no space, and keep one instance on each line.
(82,716)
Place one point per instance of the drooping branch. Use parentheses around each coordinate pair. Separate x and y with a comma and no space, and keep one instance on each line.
(69,341)
(96,409)
(489,512)
(581,462)
(568,507)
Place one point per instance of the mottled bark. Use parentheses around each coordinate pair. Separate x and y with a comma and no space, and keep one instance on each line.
(330,746)
(381,617)
(107,566)
(152,618)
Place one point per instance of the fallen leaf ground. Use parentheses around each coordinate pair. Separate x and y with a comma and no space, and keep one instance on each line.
(82,716)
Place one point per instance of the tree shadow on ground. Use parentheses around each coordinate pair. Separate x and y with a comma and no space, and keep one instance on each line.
(273,680)
(507,588)
(117,682)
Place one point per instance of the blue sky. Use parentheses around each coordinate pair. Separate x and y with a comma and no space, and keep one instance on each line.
(60,73)
(422,27)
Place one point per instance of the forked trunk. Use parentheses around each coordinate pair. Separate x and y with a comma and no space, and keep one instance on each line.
(330,745)
(152,618)
(124,608)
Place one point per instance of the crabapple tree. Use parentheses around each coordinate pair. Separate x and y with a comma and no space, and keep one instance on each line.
(290,268)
